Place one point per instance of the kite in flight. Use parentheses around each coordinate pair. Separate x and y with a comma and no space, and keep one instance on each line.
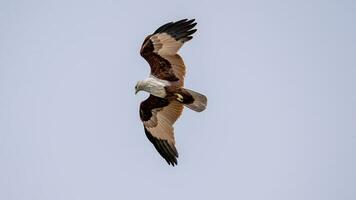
(165,85)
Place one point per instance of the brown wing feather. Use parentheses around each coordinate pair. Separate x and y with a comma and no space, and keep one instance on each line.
(158,116)
(160,50)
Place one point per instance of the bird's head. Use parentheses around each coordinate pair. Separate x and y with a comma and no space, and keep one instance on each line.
(139,86)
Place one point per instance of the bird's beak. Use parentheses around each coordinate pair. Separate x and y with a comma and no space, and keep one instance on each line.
(136,92)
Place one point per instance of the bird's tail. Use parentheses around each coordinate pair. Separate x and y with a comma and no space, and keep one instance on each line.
(198,101)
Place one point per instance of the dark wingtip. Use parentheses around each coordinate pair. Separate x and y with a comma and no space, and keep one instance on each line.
(180,30)
(168,152)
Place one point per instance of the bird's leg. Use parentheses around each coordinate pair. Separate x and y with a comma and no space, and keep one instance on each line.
(179,98)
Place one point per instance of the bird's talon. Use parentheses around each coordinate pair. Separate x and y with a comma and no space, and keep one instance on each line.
(180,98)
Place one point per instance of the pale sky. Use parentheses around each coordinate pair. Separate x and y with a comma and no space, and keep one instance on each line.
(280,77)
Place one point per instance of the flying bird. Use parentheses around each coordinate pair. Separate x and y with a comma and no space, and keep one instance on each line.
(166,86)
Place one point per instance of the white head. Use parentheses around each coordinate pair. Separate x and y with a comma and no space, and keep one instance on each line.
(151,86)
(140,85)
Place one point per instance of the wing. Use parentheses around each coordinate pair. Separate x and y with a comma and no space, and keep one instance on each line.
(160,50)
(158,116)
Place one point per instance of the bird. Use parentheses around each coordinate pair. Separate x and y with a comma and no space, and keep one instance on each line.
(165,84)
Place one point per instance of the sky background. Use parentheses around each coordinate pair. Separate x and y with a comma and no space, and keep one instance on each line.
(280,124)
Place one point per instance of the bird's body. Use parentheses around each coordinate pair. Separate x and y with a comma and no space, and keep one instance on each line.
(165,85)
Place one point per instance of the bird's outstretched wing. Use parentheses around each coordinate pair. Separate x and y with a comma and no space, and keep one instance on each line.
(160,50)
(158,116)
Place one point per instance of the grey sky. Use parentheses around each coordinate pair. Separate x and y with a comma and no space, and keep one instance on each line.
(279,75)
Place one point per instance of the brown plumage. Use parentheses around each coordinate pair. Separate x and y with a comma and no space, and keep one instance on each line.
(168,97)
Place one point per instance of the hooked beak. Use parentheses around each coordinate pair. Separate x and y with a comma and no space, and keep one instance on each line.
(136,91)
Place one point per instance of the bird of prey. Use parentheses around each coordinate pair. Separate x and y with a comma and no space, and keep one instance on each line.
(165,85)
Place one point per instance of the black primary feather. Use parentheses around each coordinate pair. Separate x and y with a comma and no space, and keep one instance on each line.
(179,30)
